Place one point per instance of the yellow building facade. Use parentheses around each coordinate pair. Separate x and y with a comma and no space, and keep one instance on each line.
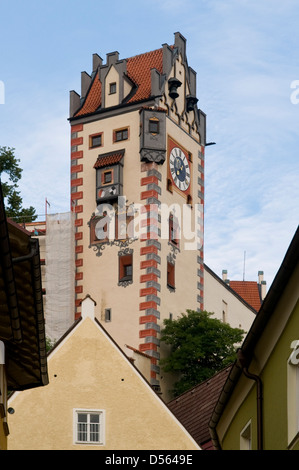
(97,400)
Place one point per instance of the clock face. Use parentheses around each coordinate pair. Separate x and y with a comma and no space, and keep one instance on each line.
(179,168)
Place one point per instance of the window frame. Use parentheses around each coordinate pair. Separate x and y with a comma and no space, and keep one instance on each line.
(170,275)
(108,315)
(174,231)
(93,136)
(104,174)
(101,432)
(120,131)
(124,261)
(156,123)
(112,88)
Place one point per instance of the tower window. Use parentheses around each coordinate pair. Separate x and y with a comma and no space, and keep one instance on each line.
(107,177)
(173,231)
(112,88)
(95,140)
(154,126)
(169,185)
(170,275)
(120,134)
(125,268)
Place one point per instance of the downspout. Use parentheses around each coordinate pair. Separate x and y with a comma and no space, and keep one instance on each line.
(29,256)
(259,397)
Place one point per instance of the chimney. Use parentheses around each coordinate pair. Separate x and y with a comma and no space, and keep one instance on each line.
(262,285)
(224,276)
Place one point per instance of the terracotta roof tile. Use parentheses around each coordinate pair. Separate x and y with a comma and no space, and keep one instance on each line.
(194,408)
(93,99)
(249,291)
(110,158)
(138,71)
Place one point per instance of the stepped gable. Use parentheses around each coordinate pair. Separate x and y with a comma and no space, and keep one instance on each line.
(138,71)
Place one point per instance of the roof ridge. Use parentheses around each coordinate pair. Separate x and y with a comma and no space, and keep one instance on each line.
(225,369)
(144,53)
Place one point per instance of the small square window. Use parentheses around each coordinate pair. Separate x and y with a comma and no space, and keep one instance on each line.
(154,126)
(89,427)
(107,177)
(107,314)
(120,134)
(112,88)
(95,141)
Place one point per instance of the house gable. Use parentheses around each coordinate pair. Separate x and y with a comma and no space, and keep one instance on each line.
(88,371)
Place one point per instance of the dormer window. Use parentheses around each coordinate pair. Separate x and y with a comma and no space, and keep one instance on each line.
(112,88)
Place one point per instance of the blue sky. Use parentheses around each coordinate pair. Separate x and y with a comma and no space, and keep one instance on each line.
(245,53)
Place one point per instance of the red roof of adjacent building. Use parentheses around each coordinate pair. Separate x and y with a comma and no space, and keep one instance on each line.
(249,291)
(138,71)
(194,408)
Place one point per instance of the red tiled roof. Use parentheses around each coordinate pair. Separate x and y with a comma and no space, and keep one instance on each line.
(110,158)
(93,99)
(194,408)
(138,71)
(249,291)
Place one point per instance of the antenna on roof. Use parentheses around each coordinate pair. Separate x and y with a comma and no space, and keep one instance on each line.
(244,266)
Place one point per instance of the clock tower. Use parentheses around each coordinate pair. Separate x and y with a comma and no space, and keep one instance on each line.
(137,192)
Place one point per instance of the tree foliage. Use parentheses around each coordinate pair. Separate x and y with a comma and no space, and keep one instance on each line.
(200,347)
(9,165)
